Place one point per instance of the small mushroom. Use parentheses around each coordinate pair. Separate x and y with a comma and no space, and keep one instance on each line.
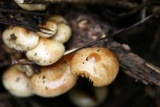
(97,64)
(57,19)
(55,79)
(63,33)
(49,29)
(46,53)
(20,39)
(16,82)
(82,99)
(31,7)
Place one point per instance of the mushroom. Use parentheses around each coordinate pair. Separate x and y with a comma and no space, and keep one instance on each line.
(63,33)
(55,79)
(31,7)
(82,99)
(50,29)
(27,69)
(98,64)
(20,39)
(64,30)
(57,19)
(46,53)
(16,82)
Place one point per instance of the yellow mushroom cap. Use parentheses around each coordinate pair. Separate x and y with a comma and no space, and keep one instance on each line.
(20,39)
(46,53)
(97,64)
(16,82)
(54,80)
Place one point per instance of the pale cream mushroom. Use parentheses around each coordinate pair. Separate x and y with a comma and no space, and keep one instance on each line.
(82,99)
(64,30)
(55,79)
(46,53)
(20,39)
(31,7)
(97,64)
(63,33)
(16,82)
(49,29)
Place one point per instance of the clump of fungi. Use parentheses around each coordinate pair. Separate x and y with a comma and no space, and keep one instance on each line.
(43,48)
(58,72)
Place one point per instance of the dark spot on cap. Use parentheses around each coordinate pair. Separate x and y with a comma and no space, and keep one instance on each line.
(17,79)
(87,59)
(98,50)
(35,54)
(46,88)
(13,36)
(43,77)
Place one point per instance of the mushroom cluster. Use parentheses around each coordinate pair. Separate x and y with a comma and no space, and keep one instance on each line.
(59,71)
(53,80)
(97,64)
(43,47)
